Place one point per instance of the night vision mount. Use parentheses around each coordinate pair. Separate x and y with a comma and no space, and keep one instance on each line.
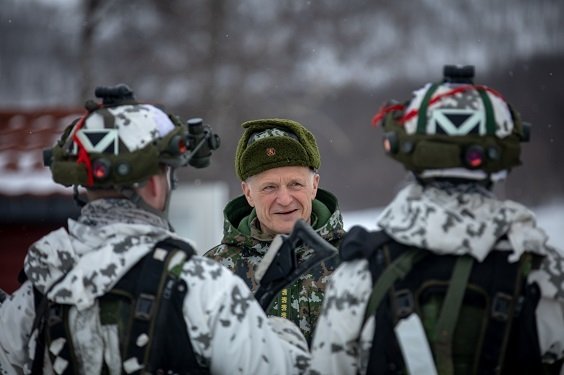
(458,74)
(200,140)
(115,95)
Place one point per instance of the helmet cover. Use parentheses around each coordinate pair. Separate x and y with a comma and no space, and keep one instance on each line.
(117,146)
(453,129)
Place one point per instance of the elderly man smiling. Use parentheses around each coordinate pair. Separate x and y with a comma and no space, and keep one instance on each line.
(277,161)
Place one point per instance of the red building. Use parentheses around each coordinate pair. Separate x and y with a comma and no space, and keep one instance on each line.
(31,204)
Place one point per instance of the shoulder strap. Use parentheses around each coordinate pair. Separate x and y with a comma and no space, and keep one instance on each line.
(170,331)
(511,328)
(444,330)
(400,267)
(40,302)
(154,285)
(359,243)
(49,323)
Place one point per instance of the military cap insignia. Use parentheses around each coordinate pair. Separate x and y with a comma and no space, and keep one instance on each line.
(270,151)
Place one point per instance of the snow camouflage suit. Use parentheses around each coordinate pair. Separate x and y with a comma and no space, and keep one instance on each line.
(241,250)
(460,220)
(228,330)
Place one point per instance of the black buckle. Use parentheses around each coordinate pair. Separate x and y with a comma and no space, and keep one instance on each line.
(144,306)
(501,306)
(55,315)
(404,303)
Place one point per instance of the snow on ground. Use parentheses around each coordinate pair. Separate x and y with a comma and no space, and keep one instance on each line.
(550,217)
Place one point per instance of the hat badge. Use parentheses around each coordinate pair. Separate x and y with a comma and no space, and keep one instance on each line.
(270,151)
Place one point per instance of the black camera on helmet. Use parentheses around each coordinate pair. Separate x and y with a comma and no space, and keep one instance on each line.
(115,95)
(458,74)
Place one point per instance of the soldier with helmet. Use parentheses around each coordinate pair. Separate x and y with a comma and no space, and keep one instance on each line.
(455,280)
(119,291)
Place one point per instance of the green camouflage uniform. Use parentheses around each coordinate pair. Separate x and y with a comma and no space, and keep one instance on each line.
(244,245)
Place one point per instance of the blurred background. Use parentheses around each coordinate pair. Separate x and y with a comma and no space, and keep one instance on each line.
(327,64)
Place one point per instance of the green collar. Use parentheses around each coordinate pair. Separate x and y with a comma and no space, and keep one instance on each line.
(320,214)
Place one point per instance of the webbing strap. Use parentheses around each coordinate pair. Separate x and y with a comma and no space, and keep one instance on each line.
(490,119)
(444,329)
(422,113)
(396,270)
(501,317)
(145,309)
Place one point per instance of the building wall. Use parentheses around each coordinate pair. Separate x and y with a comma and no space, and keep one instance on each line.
(16,239)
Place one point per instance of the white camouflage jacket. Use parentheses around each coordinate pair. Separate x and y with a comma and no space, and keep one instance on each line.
(438,220)
(228,330)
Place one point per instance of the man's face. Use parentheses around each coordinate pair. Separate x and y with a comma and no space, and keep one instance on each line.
(281,196)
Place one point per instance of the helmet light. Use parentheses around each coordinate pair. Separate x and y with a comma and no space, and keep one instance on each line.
(474,156)
(101,169)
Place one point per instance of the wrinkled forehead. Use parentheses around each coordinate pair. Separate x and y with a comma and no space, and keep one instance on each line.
(283,174)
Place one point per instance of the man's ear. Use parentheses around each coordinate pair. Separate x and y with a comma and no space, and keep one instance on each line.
(152,191)
(247,192)
(315,185)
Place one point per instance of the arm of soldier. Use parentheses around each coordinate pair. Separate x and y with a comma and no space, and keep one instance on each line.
(314,284)
(550,309)
(229,329)
(16,319)
(339,336)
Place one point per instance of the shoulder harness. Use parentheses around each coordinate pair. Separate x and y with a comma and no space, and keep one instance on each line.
(145,305)
(446,291)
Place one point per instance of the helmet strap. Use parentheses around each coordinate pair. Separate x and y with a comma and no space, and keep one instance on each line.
(81,202)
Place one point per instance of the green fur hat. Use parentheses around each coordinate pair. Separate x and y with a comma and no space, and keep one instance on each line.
(273,143)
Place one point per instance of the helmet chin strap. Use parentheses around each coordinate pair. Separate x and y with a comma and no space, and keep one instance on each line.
(81,202)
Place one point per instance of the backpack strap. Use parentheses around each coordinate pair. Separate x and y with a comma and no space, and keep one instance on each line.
(358,243)
(165,354)
(50,325)
(511,306)
(400,267)
(154,285)
(444,330)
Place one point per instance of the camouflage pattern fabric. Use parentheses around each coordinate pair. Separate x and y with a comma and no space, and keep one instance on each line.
(469,99)
(460,219)
(460,216)
(241,253)
(229,331)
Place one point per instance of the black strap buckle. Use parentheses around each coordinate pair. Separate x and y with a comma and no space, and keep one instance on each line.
(501,306)
(404,303)
(55,315)
(144,306)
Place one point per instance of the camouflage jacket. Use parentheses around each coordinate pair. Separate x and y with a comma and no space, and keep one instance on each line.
(228,329)
(242,251)
(457,220)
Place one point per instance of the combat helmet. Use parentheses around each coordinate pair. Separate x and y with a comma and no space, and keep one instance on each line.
(454,129)
(119,143)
